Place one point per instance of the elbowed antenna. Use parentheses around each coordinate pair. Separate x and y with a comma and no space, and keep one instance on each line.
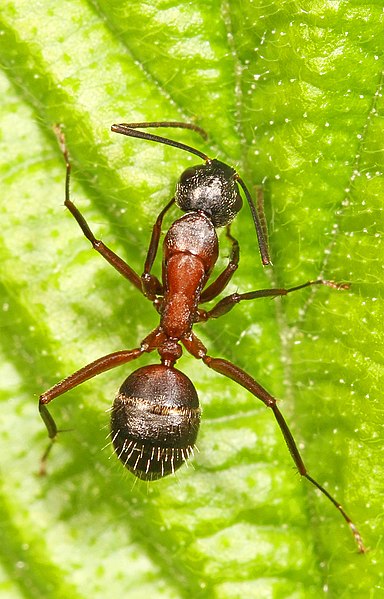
(133,130)
(259,222)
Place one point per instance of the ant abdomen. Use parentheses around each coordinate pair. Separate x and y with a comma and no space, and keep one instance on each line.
(155,420)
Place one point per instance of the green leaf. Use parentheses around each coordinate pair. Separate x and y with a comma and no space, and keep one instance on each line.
(291,95)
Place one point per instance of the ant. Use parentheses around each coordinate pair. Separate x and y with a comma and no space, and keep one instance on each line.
(155,416)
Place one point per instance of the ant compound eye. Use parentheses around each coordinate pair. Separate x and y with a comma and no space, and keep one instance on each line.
(211,188)
(155,420)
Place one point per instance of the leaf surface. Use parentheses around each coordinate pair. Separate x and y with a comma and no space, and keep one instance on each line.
(291,95)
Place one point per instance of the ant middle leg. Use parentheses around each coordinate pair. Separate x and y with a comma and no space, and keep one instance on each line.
(227,303)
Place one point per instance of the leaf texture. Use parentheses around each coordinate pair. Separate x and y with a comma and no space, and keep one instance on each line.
(291,95)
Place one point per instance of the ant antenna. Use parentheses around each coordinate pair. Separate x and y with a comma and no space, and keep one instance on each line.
(132,130)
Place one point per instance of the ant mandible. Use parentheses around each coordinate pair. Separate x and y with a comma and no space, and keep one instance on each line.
(156,416)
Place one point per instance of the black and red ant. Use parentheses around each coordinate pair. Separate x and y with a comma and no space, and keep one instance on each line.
(156,416)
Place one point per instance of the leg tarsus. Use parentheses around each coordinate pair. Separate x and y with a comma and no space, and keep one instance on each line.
(357,536)
(52,434)
(44,458)
(48,421)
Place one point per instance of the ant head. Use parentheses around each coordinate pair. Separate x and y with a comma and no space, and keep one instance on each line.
(211,188)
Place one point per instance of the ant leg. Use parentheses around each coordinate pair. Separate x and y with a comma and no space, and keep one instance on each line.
(227,303)
(219,284)
(80,376)
(260,211)
(226,368)
(118,263)
(150,283)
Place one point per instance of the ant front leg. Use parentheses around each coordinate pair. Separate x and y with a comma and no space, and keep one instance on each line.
(227,303)
(219,284)
(150,283)
(228,369)
(118,263)
(80,376)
